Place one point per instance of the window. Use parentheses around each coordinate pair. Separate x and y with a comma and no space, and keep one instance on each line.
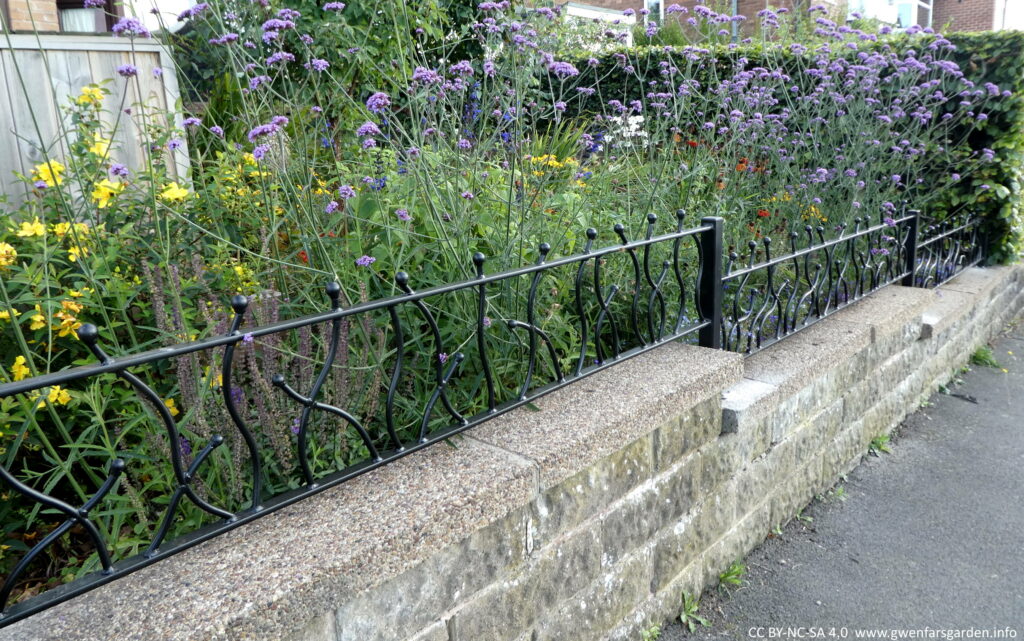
(655,8)
(914,12)
(74,18)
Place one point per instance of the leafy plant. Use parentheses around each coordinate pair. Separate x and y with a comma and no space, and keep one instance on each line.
(879,444)
(689,616)
(985,357)
(652,633)
(733,575)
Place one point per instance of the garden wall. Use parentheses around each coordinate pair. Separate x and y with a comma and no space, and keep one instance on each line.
(584,520)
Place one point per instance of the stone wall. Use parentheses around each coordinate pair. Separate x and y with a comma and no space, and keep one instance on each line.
(585,520)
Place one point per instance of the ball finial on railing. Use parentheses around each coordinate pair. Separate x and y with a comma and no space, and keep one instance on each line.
(88,334)
(239,303)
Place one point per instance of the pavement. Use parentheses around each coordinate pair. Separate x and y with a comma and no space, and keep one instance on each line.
(926,541)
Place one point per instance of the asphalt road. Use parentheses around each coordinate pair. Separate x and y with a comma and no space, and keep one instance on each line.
(927,538)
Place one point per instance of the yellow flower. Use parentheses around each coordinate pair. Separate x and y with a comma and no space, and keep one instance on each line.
(71,306)
(100,146)
(5,314)
(34,228)
(68,324)
(49,172)
(76,252)
(8,254)
(91,95)
(61,229)
(173,191)
(38,319)
(74,293)
(105,190)
(171,408)
(19,370)
(58,395)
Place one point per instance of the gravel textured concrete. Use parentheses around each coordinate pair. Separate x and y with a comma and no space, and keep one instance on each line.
(927,536)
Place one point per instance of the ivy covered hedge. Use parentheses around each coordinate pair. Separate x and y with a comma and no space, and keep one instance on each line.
(993,191)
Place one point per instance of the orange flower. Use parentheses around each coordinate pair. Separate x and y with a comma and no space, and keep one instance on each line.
(763,213)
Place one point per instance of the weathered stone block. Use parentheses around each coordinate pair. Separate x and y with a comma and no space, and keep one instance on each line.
(589,615)
(421,596)
(677,438)
(566,504)
(510,607)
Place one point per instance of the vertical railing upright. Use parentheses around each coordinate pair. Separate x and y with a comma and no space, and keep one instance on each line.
(709,285)
(910,249)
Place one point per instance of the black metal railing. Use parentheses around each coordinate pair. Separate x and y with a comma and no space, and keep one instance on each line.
(453,357)
(771,299)
(946,248)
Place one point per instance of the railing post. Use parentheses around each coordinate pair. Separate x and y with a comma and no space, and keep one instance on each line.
(709,289)
(910,249)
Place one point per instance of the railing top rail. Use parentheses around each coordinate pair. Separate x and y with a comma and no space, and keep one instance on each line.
(813,248)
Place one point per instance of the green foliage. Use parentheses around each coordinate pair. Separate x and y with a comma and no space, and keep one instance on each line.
(879,444)
(733,575)
(652,633)
(998,58)
(985,357)
(689,615)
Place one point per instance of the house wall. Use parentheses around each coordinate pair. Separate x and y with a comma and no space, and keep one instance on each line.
(33,15)
(964,15)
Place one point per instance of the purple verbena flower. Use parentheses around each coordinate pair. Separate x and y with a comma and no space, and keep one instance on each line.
(365,261)
(130,26)
(368,129)
(378,102)
(127,71)
(347,191)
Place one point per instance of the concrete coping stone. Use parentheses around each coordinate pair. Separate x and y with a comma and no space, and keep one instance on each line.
(267,579)
(949,307)
(580,424)
(889,309)
(799,360)
(740,398)
(979,281)
(959,296)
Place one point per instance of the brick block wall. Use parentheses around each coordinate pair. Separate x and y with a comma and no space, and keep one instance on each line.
(964,15)
(33,15)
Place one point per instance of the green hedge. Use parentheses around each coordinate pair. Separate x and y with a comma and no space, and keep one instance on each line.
(996,57)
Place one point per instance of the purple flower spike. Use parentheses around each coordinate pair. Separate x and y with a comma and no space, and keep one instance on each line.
(365,261)
(127,71)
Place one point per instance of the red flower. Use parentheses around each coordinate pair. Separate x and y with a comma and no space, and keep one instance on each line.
(304,257)
(692,143)
(763,213)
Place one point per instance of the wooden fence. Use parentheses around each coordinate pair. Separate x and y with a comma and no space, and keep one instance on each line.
(39,72)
